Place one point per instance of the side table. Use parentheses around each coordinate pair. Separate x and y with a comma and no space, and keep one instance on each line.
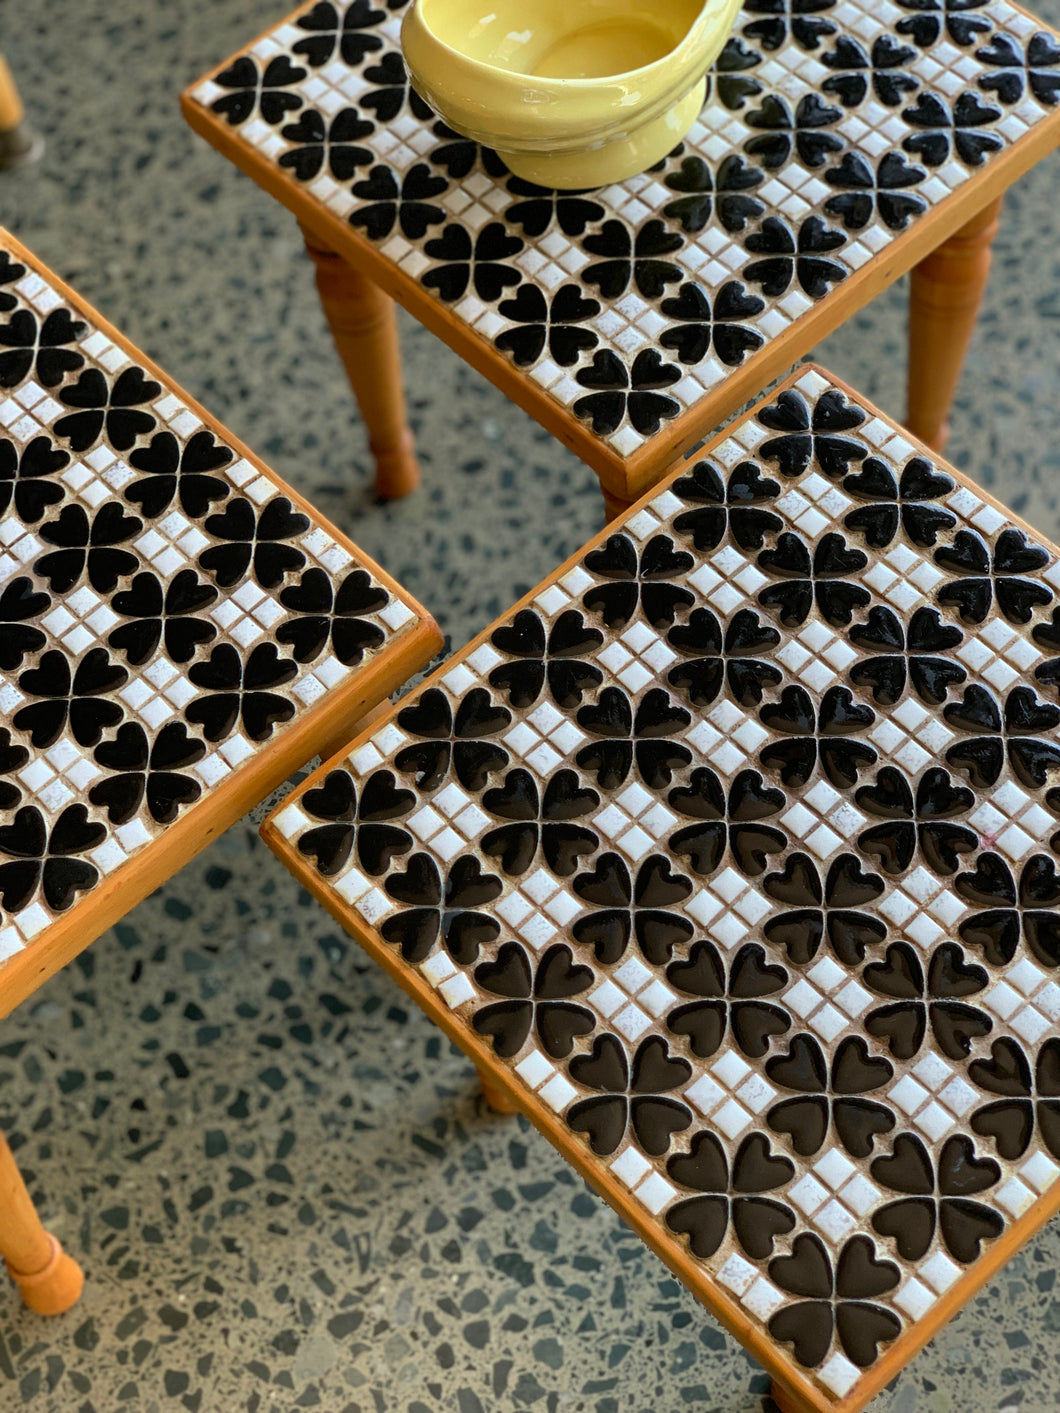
(179,631)
(843,143)
(729,855)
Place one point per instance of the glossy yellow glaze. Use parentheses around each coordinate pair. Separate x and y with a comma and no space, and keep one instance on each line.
(571,93)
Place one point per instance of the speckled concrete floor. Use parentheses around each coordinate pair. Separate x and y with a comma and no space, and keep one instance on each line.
(282,1184)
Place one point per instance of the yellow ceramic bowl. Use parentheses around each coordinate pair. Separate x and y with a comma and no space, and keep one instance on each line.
(571,93)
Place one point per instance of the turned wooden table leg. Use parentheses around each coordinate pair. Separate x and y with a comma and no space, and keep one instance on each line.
(784,1401)
(364,328)
(50,1281)
(18,142)
(496,1097)
(944,300)
(340,737)
(613,505)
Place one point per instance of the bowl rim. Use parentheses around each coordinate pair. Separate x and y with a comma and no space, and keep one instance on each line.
(560,86)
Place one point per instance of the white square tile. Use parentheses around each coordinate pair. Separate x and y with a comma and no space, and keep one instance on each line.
(732,1118)
(736,1274)
(839,1374)
(808,1194)
(730,1069)
(705,1094)
(656,1193)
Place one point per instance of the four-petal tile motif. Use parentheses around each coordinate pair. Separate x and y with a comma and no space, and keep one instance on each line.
(738,844)
(830,127)
(165,612)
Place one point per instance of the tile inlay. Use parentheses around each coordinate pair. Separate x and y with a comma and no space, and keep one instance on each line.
(737,843)
(165,611)
(830,128)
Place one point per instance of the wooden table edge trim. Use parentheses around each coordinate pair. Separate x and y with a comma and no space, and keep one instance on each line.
(119,892)
(627,477)
(726,1309)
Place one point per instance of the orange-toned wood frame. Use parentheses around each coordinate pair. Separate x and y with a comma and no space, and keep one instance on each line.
(793,1390)
(625,479)
(339,710)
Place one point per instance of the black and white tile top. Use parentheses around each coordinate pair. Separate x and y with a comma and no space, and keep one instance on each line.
(830,126)
(739,845)
(164,610)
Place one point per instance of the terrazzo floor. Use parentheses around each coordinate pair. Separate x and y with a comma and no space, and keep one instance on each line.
(284,1188)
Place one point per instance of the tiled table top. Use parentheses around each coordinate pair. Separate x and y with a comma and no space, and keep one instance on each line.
(172,619)
(732,851)
(635,319)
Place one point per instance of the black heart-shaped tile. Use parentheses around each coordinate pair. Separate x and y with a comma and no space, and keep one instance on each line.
(605,1068)
(335,799)
(558,977)
(792,713)
(900,975)
(798,884)
(420,884)
(856,1071)
(608,885)
(508,974)
(803,1068)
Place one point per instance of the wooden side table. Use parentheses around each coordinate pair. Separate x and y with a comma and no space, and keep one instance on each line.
(729,856)
(179,631)
(843,143)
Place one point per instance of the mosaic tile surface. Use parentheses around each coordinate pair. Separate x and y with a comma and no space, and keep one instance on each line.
(739,845)
(830,127)
(165,610)
(556,1303)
